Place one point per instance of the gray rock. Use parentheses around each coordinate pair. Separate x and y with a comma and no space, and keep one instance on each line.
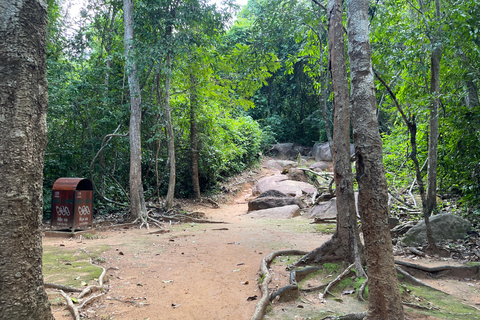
(297,175)
(281,164)
(281,183)
(271,202)
(324,210)
(444,226)
(319,166)
(272,193)
(285,212)
(321,151)
(284,151)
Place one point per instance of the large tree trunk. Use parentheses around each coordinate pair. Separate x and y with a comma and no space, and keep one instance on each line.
(384,296)
(193,136)
(344,244)
(171,139)
(137,200)
(431,198)
(346,217)
(23,136)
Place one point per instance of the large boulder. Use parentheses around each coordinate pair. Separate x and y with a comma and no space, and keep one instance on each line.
(271,202)
(281,183)
(281,164)
(272,193)
(444,226)
(288,151)
(324,210)
(285,212)
(284,151)
(321,151)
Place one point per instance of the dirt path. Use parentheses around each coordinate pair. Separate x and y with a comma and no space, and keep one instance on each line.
(207,271)
(196,271)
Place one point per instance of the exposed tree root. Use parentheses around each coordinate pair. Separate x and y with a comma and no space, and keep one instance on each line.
(293,286)
(351,316)
(339,278)
(59,287)
(73,310)
(328,251)
(87,301)
(88,290)
(415,280)
(267,277)
(470,269)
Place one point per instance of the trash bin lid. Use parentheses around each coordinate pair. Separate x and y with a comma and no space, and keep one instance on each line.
(72,184)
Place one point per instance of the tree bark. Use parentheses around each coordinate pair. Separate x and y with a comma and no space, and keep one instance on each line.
(431,196)
(137,200)
(193,136)
(344,244)
(384,296)
(23,137)
(346,218)
(171,139)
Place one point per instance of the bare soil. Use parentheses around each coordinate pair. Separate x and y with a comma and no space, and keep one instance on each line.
(209,271)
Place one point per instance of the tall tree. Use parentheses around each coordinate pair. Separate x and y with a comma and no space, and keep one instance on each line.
(137,200)
(194,135)
(23,109)
(384,296)
(436,56)
(347,226)
(345,243)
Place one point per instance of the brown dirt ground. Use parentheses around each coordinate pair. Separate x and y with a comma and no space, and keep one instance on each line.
(201,271)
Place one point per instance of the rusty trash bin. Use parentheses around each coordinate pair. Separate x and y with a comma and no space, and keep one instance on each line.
(72,203)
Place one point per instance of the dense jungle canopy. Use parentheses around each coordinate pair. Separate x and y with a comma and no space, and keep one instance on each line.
(241,78)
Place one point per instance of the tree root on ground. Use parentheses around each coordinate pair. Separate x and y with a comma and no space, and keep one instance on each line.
(267,277)
(339,278)
(60,287)
(351,316)
(471,270)
(88,290)
(293,286)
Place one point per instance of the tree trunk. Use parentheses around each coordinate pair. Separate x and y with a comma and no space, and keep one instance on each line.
(384,296)
(23,137)
(345,243)
(323,96)
(171,140)
(472,97)
(431,198)
(193,136)
(137,200)
(346,218)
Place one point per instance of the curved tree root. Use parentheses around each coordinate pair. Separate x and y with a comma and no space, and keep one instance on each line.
(351,316)
(328,251)
(472,269)
(293,281)
(88,290)
(60,287)
(70,306)
(267,277)
(415,280)
(339,278)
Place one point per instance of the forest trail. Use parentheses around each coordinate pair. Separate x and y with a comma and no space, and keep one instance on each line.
(209,271)
(195,271)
